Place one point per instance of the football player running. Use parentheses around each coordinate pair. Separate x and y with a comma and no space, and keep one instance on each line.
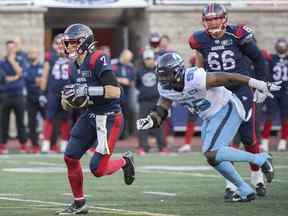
(222,113)
(232,48)
(92,79)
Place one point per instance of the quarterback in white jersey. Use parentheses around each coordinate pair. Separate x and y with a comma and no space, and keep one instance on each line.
(221,111)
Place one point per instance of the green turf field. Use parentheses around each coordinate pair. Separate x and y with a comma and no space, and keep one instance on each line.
(165,185)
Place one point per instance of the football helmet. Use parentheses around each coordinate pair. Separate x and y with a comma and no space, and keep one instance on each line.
(281,47)
(170,71)
(77,39)
(214,18)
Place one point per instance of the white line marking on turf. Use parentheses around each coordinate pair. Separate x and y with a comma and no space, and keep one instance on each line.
(160,193)
(177,168)
(10,194)
(119,211)
(44,163)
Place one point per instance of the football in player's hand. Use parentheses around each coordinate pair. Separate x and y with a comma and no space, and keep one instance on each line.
(79,101)
(69,94)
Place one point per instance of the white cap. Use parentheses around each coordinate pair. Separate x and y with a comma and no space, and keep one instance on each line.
(148,53)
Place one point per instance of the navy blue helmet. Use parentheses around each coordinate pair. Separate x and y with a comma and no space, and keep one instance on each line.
(170,71)
(214,11)
(81,35)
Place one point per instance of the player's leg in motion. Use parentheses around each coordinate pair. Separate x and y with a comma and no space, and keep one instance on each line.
(83,135)
(100,164)
(247,131)
(217,133)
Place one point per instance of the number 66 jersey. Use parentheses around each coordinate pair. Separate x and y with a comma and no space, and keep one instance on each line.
(197,98)
(226,53)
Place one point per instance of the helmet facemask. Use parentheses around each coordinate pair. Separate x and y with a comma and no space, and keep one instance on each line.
(211,29)
(214,19)
(171,77)
(78,39)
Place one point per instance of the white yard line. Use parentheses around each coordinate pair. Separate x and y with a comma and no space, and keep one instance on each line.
(111,210)
(159,193)
(10,194)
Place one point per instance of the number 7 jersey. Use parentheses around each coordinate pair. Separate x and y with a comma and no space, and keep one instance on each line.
(197,98)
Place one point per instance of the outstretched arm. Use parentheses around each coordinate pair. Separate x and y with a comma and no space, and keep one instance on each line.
(156,116)
(225,79)
(228,79)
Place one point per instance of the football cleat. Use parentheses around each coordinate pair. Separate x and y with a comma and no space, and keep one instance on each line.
(184,148)
(268,169)
(228,194)
(129,168)
(237,198)
(260,190)
(73,209)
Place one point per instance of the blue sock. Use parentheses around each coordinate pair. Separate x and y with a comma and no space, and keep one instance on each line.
(227,170)
(231,154)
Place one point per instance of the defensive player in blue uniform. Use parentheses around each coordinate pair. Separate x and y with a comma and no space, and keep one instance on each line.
(222,113)
(278,68)
(223,47)
(95,87)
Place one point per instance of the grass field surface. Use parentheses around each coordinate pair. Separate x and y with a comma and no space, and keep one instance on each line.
(164,186)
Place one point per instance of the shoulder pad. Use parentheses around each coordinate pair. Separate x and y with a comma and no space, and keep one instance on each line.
(194,41)
(244,33)
(266,55)
(93,59)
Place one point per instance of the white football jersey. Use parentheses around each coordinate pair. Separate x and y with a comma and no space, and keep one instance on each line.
(196,97)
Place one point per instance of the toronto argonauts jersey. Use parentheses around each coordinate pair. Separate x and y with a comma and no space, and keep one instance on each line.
(196,97)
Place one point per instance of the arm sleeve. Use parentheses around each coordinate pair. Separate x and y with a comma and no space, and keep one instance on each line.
(193,42)
(108,78)
(251,50)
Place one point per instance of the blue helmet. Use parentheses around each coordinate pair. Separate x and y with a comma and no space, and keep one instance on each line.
(170,71)
(80,34)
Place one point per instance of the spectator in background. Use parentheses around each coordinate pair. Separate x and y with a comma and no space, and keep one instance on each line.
(164,44)
(2,97)
(125,74)
(36,100)
(154,42)
(146,83)
(21,56)
(14,100)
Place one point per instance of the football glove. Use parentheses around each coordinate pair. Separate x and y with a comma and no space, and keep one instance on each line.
(265,88)
(259,97)
(66,105)
(75,91)
(144,123)
(42,100)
